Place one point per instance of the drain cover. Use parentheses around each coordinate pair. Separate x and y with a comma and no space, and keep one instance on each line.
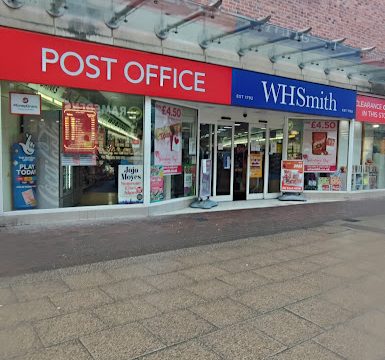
(352,220)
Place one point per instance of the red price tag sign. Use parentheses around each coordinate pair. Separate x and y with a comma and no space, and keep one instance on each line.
(325,125)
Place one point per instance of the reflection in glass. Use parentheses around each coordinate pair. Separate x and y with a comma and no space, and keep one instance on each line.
(275,157)
(224,145)
(257,159)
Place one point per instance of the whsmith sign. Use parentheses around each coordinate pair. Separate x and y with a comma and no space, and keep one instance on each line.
(57,61)
(277,93)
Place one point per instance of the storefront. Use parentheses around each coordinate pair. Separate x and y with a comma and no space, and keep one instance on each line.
(85,124)
(368,167)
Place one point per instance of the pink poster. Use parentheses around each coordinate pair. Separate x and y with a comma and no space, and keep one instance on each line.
(168,138)
(320,145)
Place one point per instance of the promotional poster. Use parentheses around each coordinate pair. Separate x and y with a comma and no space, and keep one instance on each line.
(320,145)
(168,138)
(292,176)
(256,163)
(157,184)
(130,184)
(205,179)
(24,174)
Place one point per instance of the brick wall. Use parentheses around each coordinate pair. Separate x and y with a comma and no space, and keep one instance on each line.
(362,22)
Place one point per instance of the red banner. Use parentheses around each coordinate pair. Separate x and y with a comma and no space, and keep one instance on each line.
(46,59)
(370,109)
(80,129)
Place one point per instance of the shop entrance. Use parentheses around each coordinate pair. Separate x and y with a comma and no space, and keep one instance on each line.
(246,159)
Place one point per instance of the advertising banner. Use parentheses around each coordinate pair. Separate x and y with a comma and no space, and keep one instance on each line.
(320,145)
(24,104)
(370,109)
(65,62)
(157,184)
(256,163)
(80,129)
(24,175)
(292,176)
(168,138)
(264,91)
(130,184)
(205,178)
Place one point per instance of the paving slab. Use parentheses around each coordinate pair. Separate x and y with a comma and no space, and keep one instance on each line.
(223,312)
(122,342)
(242,341)
(38,290)
(179,326)
(72,350)
(190,350)
(13,314)
(18,341)
(124,312)
(174,299)
(286,327)
(88,279)
(128,288)
(63,328)
(7,296)
(320,312)
(352,344)
(306,351)
(80,299)
(211,289)
(169,280)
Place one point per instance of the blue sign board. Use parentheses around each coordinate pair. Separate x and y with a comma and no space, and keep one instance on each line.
(24,175)
(271,92)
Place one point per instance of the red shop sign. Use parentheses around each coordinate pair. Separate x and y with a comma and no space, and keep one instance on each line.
(370,109)
(46,59)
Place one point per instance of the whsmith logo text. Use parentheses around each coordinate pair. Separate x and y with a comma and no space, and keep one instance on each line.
(296,96)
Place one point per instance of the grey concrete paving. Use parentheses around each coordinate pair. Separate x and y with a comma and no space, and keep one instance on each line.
(308,294)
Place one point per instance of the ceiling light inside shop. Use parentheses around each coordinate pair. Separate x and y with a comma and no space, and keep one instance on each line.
(376,126)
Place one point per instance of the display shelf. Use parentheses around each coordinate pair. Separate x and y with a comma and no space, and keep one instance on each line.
(364,177)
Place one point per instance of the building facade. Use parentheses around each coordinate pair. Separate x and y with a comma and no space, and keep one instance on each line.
(137,108)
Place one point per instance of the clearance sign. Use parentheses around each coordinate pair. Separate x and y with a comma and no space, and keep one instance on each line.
(370,109)
(45,59)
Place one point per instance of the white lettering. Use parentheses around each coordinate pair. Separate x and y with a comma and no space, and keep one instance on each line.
(150,74)
(199,81)
(181,75)
(45,60)
(64,57)
(96,73)
(272,90)
(109,62)
(127,68)
(163,76)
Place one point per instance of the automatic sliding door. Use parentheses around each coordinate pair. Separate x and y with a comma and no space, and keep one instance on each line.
(257,162)
(224,161)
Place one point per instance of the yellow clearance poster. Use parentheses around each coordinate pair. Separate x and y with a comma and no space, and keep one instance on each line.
(256,162)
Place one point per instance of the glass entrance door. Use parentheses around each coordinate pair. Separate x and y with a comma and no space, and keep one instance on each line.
(257,162)
(241,150)
(223,178)
(275,157)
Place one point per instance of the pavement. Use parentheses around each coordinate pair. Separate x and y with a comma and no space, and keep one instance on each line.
(314,293)
(41,247)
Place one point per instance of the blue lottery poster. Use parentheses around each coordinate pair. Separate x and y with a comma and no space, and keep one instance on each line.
(24,174)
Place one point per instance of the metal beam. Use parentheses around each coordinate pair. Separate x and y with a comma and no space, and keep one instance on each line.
(365,72)
(358,52)
(121,15)
(327,45)
(293,36)
(252,25)
(14,4)
(363,63)
(57,8)
(163,32)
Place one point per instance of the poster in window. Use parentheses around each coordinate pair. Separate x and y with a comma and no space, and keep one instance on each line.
(80,129)
(157,184)
(320,145)
(292,176)
(24,174)
(205,179)
(256,163)
(130,184)
(168,138)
